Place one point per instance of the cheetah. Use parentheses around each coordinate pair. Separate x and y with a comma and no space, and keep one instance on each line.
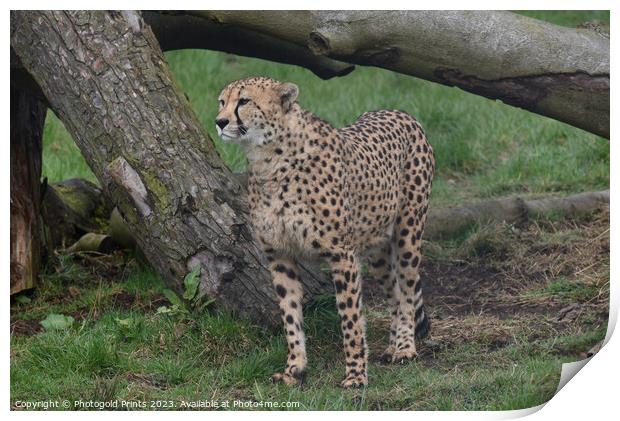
(340,195)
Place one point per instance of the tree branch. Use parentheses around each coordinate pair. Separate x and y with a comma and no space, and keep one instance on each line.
(558,72)
(179,31)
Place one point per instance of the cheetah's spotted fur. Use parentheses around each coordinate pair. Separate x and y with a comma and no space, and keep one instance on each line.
(337,194)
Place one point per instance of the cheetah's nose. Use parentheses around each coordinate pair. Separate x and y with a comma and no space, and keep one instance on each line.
(221,123)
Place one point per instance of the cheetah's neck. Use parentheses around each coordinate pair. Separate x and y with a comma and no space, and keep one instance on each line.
(298,137)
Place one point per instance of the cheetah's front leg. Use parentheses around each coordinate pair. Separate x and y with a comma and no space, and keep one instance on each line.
(285,276)
(346,276)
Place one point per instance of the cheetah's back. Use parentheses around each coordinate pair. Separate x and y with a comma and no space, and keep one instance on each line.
(388,164)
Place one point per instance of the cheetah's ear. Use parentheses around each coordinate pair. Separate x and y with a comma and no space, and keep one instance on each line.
(288,94)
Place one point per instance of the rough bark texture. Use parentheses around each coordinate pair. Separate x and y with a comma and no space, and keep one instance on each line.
(27,118)
(448,221)
(106,78)
(558,72)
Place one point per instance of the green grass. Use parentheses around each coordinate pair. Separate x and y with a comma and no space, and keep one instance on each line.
(61,157)
(566,290)
(122,348)
(158,357)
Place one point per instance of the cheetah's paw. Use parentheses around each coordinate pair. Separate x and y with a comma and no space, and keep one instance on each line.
(354,381)
(387,355)
(288,379)
(404,356)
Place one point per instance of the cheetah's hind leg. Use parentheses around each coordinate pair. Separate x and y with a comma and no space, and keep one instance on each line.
(411,319)
(382,267)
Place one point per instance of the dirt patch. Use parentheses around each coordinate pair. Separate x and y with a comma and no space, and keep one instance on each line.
(457,289)
(547,279)
(25,327)
(29,327)
(498,284)
(467,289)
(123,300)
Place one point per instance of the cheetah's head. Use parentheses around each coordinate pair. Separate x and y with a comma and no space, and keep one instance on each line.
(252,109)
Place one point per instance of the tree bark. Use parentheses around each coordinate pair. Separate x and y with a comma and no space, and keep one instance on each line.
(106,78)
(558,72)
(27,119)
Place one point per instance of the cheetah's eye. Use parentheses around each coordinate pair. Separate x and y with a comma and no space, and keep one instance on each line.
(243,101)
(221,102)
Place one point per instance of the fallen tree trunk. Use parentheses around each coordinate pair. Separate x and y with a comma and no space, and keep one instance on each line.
(27,119)
(93,242)
(71,209)
(558,72)
(446,222)
(77,216)
(82,205)
(106,78)
(179,31)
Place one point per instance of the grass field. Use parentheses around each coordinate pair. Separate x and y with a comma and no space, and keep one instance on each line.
(509,304)
(508,307)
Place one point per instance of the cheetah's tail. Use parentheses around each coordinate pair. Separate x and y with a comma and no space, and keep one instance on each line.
(422,322)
